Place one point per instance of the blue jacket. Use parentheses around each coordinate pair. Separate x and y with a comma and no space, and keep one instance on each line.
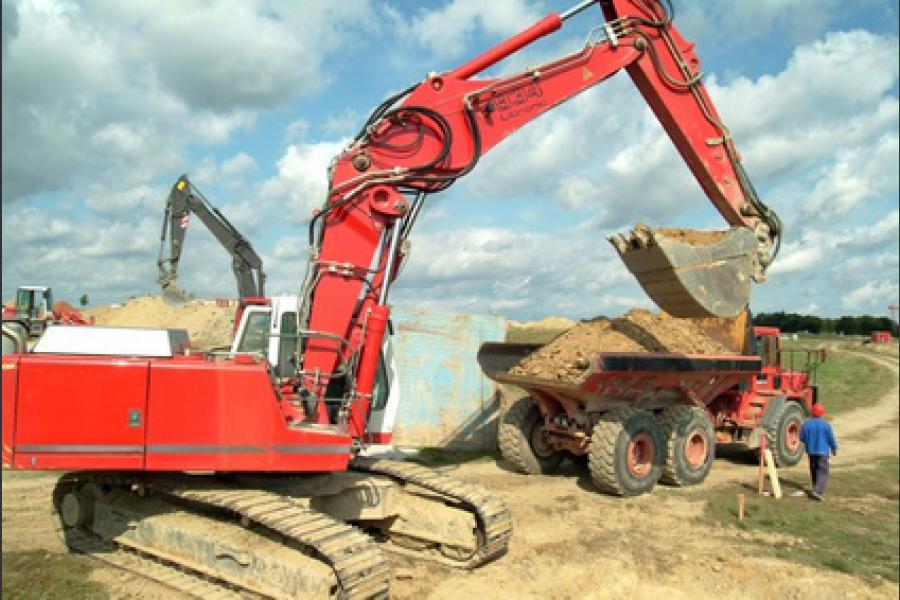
(818,437)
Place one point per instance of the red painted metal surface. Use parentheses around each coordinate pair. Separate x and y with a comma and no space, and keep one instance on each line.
(90,407)
(167,414)
(880,337)
(225,416)
(10,392)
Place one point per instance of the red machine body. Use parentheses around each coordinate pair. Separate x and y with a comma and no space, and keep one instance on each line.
(738,411)
(880,337)
(198,413)
(183,413)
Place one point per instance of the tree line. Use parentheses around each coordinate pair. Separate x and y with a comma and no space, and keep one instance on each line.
(797,323)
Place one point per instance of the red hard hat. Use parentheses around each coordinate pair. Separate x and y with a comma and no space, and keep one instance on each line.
(818,410)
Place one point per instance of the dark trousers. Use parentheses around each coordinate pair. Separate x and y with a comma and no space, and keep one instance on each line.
(818,472)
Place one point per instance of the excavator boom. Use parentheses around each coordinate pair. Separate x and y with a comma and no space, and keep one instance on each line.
(429,135)
(245,262)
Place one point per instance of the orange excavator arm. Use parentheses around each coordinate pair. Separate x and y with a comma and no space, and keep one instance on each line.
(421,140)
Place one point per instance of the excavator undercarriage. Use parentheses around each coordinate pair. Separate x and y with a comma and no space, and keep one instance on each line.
(287,535)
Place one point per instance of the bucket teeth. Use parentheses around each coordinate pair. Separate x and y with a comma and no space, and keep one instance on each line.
(691,273)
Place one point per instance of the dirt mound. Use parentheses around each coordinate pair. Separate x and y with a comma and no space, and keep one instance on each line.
(209,326)
(567,356)
(547,323)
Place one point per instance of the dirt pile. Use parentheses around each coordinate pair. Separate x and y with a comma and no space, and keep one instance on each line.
(568,356)
(547,323)
(209,326)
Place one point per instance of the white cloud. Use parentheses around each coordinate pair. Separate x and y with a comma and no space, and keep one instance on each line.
(516,273)
(111,91)
(238,165)
(301,182)
(872,295)
(448,29)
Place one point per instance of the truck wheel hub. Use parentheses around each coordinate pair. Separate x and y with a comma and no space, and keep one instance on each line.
(696,449)
(640,456)
(792,436)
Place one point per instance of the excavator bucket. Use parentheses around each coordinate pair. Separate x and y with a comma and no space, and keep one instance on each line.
(691,273)
(172,294)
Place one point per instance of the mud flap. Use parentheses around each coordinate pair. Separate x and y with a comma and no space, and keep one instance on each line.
(690,273)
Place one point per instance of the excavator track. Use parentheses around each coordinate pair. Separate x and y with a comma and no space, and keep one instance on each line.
(357,562)
(148,567)
(493,517)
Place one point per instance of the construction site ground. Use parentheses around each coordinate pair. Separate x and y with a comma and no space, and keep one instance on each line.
(572,542)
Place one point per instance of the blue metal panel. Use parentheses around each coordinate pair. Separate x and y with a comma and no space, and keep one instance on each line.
(446,400)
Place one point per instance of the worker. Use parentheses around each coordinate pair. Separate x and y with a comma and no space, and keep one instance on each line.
(818,439)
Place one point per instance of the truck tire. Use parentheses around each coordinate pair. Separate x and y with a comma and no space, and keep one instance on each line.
(521,440)
(690,444)
(787,448)
(627,452)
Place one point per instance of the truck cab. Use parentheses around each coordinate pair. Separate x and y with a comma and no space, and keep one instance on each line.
(789,372)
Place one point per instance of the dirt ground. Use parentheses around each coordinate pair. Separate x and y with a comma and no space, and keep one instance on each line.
(567,357)
(571,542)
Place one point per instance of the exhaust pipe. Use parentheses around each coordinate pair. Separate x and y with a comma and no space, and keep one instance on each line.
(692,273)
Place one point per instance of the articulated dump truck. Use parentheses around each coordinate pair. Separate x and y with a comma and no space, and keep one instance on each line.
(637,418)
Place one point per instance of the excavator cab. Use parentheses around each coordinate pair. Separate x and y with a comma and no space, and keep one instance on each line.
(692,273)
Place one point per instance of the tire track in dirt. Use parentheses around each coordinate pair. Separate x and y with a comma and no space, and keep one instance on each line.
(880,422)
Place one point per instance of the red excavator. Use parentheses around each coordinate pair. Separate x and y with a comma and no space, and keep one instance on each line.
(215,464)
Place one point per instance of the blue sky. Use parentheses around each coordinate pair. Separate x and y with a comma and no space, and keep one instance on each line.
(105,103)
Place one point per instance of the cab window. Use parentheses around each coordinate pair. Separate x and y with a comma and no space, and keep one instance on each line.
(256,334)
(287,344)
(380,388)
(767,348)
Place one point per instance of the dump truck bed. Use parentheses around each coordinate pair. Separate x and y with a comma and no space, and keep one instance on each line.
(641,378)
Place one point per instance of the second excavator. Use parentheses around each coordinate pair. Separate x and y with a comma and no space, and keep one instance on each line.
(184,200)
(249,477)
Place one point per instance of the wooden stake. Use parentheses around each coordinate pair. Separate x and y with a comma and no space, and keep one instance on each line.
(741,500)
(762,461)
(773,473)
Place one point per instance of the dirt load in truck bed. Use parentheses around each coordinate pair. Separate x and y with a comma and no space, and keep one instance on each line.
(567,356)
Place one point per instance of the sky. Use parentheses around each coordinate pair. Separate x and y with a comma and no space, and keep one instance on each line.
(106,103)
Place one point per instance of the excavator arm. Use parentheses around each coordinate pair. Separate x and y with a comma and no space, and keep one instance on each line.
(421,140)
(245,262)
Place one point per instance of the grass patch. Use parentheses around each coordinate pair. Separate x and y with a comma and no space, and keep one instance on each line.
(433,456)
(39,575)
(848,381)
(854,531)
